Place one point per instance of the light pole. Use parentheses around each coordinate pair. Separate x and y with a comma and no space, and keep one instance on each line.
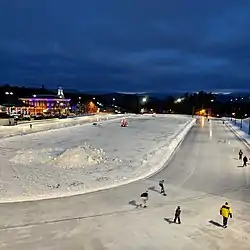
(249,126)
(7,93)
(144,100)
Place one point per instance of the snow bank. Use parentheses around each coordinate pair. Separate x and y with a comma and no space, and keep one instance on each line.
(241,132)
(45,125)
(83,159)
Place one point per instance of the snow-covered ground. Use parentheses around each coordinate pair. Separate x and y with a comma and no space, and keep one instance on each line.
(45,125)
(84,158)
(240,131)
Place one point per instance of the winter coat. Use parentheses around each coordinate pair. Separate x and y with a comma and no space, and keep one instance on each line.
(226,211)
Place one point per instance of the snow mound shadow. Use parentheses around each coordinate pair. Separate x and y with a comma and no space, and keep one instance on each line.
(78,157)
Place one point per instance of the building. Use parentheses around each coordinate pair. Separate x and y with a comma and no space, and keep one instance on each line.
(47,104)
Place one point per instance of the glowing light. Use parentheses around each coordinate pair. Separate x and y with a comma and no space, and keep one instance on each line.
(202,121)
(45,99)
(179,100)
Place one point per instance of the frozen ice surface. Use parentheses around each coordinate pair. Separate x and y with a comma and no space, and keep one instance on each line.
(78,159)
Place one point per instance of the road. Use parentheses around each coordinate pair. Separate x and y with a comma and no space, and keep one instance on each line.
(201,176)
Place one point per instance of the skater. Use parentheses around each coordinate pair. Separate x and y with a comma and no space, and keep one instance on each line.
(245,160)
(144,197)
(161,184)
(177,216)
(30,126)
(240,154)
(226,212)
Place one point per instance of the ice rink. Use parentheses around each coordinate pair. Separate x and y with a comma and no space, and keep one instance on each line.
(202,175)
(83,158)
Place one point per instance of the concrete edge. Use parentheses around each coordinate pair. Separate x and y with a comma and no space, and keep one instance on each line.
(181,134)
(186,131)
(247,144)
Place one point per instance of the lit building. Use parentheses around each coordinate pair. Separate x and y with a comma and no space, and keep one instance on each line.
(48,104)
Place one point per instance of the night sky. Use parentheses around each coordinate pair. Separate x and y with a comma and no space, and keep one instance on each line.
(129,45)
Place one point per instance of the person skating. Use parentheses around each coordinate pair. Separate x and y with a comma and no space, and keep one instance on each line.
(161,184)
(226,212)
(144,197)
(245,160)
(177,216)
(240,154)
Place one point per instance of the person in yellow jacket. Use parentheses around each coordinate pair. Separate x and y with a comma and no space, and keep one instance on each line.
(226,212)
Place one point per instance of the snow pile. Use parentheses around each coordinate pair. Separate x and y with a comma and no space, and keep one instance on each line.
(33,156)
(240,128)
(79,157)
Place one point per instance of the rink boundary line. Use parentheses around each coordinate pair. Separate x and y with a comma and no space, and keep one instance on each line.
(186,129)
(241,138)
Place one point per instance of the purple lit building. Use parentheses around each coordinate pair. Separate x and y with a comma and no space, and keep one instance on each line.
(50,104)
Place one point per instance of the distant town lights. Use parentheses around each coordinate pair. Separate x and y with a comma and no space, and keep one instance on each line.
(8,93)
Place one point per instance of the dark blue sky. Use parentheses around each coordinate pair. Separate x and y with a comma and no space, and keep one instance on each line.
(132,45)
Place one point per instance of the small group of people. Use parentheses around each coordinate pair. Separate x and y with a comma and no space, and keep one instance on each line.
(144,197)
(225,210)
(244,159)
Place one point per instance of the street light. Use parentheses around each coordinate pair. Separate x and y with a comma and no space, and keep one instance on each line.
(144,99)
(113,99)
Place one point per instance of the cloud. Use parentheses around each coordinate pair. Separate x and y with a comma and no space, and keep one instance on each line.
(127,46)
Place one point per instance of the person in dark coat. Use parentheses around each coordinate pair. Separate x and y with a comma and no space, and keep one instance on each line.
(177,216)
(240,154)
(245,160)
(161,184)
(144,197)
